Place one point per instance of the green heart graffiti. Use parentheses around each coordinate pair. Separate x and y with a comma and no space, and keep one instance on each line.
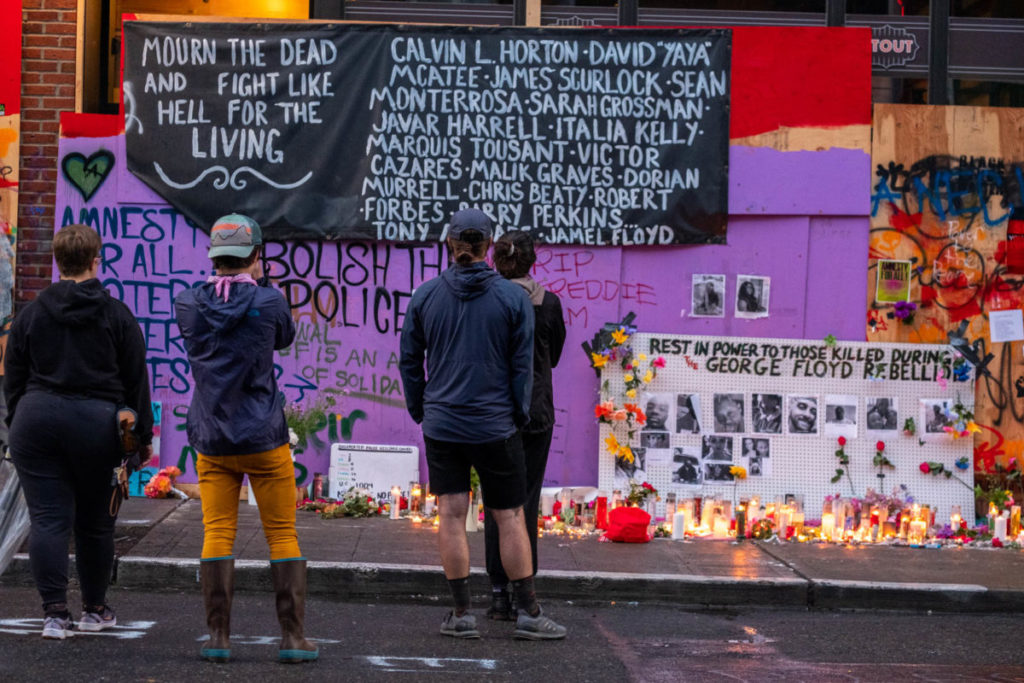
(87,173)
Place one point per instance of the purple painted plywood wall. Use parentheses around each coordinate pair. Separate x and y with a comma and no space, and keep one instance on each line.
(349,298)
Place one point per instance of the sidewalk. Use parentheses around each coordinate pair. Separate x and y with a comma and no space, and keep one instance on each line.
(378,558)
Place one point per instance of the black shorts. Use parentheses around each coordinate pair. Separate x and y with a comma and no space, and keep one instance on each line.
(501,466)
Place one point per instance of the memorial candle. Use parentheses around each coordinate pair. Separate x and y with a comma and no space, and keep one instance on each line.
(396,502)
(828,526)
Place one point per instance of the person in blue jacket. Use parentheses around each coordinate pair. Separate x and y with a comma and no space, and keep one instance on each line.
(475,330)
(231,327)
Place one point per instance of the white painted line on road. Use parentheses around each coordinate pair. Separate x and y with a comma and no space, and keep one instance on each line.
(898,586)
(129,630)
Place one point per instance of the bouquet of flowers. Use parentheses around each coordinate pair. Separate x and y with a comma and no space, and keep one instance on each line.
(161,484)
(639,493)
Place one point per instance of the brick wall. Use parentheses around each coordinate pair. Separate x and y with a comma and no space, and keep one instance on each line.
(47,88)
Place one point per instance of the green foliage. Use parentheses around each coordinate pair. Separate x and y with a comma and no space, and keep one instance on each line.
(308,418)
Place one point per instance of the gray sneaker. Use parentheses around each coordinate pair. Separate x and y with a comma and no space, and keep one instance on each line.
(459,627)
(97,619)
(58,627)
(539,627)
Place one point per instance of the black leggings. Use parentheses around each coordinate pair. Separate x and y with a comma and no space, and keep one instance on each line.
(535,447)
(64,450)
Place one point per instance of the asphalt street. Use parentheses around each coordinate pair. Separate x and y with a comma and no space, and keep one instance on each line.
(158,637)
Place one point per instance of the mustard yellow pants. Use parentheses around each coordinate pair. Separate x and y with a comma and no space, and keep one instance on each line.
(272,478)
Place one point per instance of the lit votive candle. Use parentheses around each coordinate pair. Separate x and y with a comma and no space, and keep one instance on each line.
(917,531)
(828,526)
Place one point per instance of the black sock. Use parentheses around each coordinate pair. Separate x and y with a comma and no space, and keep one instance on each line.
(460,593)
(526,597)
(57,609)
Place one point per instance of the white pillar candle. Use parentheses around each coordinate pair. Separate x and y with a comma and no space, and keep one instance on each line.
(396,502)
(547,504)
(1000,530)
(917,532)
(428,505)
(679,524)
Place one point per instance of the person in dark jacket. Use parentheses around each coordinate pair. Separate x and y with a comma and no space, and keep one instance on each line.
(476,331)
(75,355)
(231,328)
(514,256)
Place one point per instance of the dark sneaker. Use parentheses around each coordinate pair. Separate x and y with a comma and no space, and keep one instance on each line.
(501,608)
(97,619)
(57,627)
(539,627)
(459,627)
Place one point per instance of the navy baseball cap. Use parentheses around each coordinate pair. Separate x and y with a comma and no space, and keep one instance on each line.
(469,219)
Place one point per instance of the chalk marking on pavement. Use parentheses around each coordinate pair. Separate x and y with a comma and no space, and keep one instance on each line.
(129,630)
(439,664)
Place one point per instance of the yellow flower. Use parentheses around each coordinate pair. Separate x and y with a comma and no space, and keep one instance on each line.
(641,356)
(599,360)
(620,336)
(738,472)
(648,376)
(626,453)
(631,393)
(628,377)
(973,427)
(613,444)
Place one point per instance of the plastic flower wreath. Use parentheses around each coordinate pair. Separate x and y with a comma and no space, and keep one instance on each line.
(844,461)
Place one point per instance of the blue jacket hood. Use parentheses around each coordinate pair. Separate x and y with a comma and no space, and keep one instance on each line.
(469,282)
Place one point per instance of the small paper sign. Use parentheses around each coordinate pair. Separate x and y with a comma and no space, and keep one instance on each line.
(1006,326)
(893,281)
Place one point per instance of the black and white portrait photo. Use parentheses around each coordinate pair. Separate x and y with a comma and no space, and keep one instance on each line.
(801,414)
(708,296)
(752,296)
(686,468)
(729,413)
(766,413)
(936,415)
(688,414)
(717,448)
(758,457)
(880,414)
(625,470)
(714,471)
(656,408)
(654,439)
(841,416)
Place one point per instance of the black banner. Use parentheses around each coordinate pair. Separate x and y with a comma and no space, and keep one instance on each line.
(325,131)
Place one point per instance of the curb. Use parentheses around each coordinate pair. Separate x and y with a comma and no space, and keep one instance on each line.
(402,582)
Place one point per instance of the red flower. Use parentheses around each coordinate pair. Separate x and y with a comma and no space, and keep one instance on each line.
(648,486)
(880,446)
(842,441)
(996,543)
(658,362)
(925,468)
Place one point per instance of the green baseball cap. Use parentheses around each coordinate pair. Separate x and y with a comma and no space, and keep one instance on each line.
(234,235)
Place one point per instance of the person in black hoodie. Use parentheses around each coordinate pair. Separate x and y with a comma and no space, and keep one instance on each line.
(514,256)
(74,356)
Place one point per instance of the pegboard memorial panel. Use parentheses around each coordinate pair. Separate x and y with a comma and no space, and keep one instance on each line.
(777,407)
